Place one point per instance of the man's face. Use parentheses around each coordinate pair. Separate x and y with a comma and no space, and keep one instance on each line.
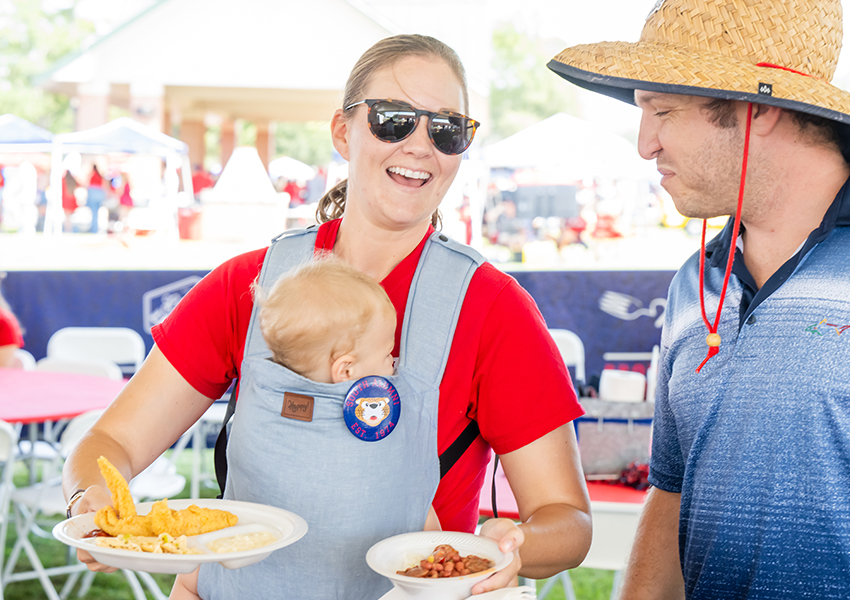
(700,162)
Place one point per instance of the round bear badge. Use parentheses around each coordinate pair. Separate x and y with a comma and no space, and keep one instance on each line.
(371,408)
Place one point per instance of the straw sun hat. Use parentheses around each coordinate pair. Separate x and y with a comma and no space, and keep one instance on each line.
(777,52)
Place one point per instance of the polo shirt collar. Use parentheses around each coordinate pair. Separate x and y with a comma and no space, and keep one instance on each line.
(837,215)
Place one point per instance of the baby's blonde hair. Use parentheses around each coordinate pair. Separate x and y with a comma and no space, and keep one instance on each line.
(317,311)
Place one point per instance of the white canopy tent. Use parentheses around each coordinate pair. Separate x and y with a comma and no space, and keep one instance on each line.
(574,148)
(123,135)
(18,135)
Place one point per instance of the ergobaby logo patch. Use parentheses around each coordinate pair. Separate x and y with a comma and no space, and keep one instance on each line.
(765,89)
(655,8)
(822,328)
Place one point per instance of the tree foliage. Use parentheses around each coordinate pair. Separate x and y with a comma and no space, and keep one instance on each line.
(308,142)
(32,38)
(523,90)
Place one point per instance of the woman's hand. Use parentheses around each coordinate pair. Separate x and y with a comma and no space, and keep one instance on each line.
(509,537)
(95,497)
(152,411)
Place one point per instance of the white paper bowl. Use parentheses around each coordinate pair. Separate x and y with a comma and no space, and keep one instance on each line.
(403,551)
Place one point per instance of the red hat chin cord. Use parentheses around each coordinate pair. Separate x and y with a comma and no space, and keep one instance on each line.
(713,338)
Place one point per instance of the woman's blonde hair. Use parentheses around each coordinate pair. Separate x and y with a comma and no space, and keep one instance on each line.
(386,53)
(317,311)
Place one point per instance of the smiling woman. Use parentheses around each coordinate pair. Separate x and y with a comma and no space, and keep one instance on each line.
(468,342)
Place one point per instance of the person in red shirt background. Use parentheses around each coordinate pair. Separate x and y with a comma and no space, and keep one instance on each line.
(96,196)
(11,336)
(69,200)
(201,180)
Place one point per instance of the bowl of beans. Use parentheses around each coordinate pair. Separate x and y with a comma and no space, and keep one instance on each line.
(438,565)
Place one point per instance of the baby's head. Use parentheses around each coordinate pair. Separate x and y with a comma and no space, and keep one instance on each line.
(328,322)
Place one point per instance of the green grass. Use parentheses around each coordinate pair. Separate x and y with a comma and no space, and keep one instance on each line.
(589,584)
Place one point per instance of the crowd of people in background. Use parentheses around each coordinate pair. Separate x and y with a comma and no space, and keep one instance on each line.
(524,223)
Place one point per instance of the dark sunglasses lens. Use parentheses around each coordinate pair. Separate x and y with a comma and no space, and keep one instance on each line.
(451,134)
(391,122)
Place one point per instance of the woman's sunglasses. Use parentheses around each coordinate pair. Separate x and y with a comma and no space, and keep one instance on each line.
(393,120)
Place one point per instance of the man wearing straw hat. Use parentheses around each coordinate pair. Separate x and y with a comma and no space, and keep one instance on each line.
(751,445)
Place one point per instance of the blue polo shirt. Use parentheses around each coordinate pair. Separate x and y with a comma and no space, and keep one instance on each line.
(758,442)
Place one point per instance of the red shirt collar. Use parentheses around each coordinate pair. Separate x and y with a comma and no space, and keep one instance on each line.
(396,284)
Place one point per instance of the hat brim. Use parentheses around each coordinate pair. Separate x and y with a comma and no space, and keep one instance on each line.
(617,69)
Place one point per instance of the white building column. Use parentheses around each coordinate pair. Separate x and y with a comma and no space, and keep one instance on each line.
(92,104)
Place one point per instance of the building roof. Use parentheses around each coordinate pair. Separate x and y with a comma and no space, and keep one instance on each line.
(286,60)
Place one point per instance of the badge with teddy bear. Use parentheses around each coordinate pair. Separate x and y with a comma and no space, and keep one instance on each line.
(371,408)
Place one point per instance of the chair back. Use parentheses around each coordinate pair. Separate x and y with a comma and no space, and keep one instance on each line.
(96,367)
(572,351)
(22,359)
(121,345)
(8,441)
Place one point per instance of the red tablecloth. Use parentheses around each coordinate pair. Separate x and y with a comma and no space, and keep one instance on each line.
(506,503)
(38,396)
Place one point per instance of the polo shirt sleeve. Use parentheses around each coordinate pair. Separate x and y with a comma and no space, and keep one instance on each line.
(204,336)
(666,463)
(524,388)
(666,467)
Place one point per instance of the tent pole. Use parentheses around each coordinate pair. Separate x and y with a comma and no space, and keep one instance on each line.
(54,216)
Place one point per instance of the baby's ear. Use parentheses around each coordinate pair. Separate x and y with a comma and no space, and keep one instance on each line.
(342,368)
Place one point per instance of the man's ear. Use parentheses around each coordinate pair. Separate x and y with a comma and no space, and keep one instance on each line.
(340,133)
(342,368)
(765,118)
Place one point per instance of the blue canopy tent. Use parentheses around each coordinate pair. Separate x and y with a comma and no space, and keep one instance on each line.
(123,135)
(18,135)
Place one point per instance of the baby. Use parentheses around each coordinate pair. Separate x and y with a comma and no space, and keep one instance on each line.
(327,322)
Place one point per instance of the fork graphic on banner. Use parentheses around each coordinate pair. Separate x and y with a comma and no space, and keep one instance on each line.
(629,308)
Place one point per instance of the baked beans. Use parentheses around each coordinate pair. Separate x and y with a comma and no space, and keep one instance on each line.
(445,561)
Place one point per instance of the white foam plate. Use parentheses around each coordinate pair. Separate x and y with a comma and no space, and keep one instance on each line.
(287,527)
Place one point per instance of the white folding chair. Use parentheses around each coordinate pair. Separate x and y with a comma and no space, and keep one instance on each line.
(43,499)
(46,498)
(46,450)
(572,351)
(121,345)
(209,422)
(22,359)
(96,367)
(8,441)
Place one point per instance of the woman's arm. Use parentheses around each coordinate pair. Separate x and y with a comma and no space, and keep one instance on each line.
(548,484)
(154,409)
(554,508)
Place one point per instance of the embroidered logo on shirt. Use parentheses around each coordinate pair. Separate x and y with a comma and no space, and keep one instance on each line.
(297,406)
(817,330)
